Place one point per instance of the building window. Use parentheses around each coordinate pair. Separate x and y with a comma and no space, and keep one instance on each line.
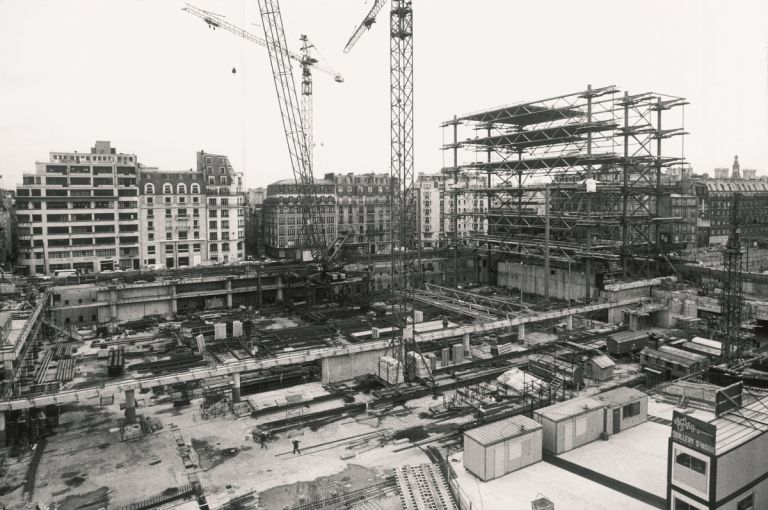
(630,410)
(684,505)
(167,188)
(692,463)
(181,189)
(195,189)
(747,503)
(149,189)
(168,236)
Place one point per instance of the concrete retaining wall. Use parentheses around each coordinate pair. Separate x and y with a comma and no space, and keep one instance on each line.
(342,368)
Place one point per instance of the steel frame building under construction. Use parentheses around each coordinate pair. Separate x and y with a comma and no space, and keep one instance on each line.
(572,179)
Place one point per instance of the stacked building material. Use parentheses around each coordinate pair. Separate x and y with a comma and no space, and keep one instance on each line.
(63,351)
(116,362)
(417,366)
(458,353)
(237,329)
(505,348)
(423,487)
(390,370)
(65,371)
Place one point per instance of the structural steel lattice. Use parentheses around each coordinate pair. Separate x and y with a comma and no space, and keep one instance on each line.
(597,154)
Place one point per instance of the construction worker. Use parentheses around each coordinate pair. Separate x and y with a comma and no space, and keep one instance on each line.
(263,439)
(296,446)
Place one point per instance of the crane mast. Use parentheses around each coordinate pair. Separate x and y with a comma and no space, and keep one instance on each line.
(732,300)
(312,231)
(404,198)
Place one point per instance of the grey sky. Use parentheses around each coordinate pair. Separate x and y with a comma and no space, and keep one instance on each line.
(158,83)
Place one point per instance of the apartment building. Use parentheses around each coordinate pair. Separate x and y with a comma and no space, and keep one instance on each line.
(79,211)
(680,233)
(283,217)
(254,222)
(437,211)
(225,207)
(364,210)
(103,210)
(173,214)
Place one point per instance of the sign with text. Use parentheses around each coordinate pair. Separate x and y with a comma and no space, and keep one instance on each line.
(728,398)
(693,433)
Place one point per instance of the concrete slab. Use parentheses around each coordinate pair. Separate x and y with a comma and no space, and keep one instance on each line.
(516,490)
(636,456)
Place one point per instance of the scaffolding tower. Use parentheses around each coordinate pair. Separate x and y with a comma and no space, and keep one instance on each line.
(574,178)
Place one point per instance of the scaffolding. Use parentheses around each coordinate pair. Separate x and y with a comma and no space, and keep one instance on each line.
(571,179)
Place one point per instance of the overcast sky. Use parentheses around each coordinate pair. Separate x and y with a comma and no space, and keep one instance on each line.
(158,83)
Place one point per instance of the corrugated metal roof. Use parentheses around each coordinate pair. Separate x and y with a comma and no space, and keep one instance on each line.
(569,408)
(628,336)
(496,432)
(685,354)
(619,396)
(603,361)
(735,428)
(668,356)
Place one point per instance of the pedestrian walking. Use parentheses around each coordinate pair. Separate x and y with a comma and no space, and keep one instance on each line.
(296,446)
(263,439)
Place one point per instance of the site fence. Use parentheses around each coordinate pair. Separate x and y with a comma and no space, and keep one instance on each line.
(462,500)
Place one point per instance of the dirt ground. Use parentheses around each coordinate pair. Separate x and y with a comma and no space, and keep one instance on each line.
(85,465)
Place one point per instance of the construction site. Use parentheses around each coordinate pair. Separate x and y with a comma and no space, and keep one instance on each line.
(561,357)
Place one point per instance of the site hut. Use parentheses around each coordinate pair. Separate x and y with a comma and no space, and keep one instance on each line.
(501,447)
(570,424)
(719,464)
(624,408)
(600,368)
(667,363)
(626,342)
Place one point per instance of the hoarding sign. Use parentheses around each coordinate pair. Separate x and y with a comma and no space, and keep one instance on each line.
(693,433)
(728,398)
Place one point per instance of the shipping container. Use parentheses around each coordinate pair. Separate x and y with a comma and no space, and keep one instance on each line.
(493,450)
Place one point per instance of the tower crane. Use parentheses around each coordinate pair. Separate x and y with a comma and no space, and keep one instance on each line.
(305,59)
(296,118)
(404,200)
(732,299)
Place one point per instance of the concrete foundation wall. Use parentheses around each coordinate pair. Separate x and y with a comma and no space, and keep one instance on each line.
(342,368)
(563,284)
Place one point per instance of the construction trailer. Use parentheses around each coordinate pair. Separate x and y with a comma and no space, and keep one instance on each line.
(626,342)
(570,424)
(502,447)
(599,368)
(624,408)
(667,363)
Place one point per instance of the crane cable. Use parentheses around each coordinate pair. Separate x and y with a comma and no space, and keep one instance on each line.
(243,96)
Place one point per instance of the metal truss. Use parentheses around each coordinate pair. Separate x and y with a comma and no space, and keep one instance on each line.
(312,231)
(553,146)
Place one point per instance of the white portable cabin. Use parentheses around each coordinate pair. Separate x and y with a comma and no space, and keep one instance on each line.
(624,408)
(570,424)
(493,450)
